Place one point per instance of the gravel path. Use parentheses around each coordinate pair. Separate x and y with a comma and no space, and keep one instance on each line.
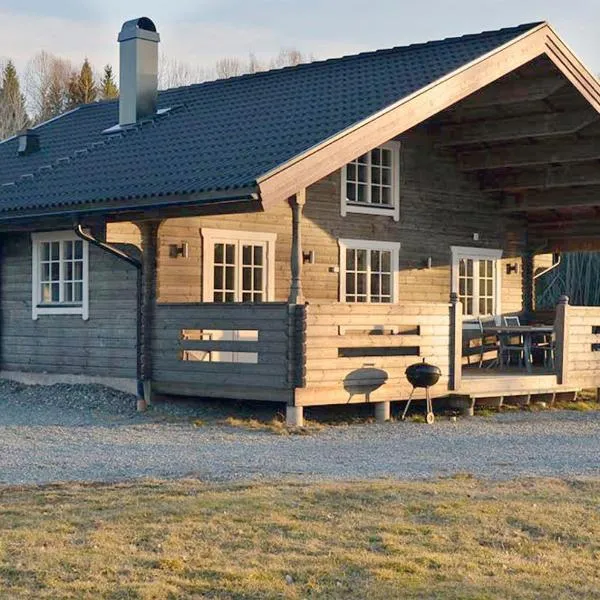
(89,433)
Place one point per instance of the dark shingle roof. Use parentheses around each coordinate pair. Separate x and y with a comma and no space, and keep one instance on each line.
(222,135)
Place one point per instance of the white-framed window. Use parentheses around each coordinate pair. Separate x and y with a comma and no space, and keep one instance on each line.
(476,278)
(368,271)
(60,274)
(371,183)
(238,266)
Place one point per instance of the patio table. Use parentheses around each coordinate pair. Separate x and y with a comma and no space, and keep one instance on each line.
(526,332)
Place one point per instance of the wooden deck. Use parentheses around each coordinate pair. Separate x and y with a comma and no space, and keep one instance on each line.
(485,383)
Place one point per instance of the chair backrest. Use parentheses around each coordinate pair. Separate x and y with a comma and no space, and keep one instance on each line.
(512,321)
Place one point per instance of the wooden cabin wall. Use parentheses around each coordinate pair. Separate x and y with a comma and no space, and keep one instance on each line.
(439,208)
(104,345)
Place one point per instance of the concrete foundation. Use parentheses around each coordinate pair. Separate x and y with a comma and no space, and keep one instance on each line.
(294,416)
(382,412)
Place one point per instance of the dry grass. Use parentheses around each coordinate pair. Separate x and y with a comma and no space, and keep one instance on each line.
(453,538)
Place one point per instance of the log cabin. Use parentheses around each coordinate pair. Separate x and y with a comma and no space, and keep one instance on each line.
(302,235)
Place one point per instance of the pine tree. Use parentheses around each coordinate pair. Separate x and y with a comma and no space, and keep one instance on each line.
(13,113)
(108,87)
(82,87)
(87,85)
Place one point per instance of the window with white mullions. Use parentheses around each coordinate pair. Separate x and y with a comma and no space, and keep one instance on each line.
(224,272)
(368,271)
(60,272)
(253,280)
(238,266)
(476,280)
(370,183)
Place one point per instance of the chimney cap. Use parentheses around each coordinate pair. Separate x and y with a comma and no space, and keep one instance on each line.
(29,142)
(140,28)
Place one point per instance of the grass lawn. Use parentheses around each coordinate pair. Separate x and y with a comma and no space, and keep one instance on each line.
(450,538)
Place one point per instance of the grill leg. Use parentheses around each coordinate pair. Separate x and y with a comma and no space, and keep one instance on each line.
(408,404)
(430,416)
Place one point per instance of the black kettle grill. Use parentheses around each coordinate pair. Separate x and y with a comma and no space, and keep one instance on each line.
(422,375)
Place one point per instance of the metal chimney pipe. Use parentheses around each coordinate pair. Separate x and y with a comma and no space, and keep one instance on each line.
(138,77)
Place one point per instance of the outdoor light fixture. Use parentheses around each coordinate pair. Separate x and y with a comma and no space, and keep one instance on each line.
(176,250)
(514,268)
(308,257)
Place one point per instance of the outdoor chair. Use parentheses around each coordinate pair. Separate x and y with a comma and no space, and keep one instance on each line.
(489,343)
(509,347)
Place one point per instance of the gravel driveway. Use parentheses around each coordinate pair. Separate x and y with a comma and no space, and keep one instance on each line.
(89,433)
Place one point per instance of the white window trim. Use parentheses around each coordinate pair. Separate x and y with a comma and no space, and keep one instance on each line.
(37,309)
(393,247)
(210,236)
(462,252)
(394,211)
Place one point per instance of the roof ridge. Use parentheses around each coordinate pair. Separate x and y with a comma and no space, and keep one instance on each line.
(348,57)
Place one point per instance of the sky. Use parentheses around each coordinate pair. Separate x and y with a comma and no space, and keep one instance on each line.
(198,32)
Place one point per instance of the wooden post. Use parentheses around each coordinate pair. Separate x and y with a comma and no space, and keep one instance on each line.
(297,203)
(561,327)
(456,340)
(528,284)
(149,234)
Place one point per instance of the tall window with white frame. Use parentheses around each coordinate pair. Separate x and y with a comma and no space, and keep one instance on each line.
(368,271)
(476,280)
(371,182)
(60,274)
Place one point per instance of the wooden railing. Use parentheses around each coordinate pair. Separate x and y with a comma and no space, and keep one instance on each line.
(578,344)
(225,350)
(359,352)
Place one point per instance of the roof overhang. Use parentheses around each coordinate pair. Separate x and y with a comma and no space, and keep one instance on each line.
(215,202)
(321,160)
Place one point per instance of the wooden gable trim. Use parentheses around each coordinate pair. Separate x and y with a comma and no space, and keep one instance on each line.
(334,153)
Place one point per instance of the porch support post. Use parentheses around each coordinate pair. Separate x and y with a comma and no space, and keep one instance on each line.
(297,204)
(149,235)
(456,342)
(561,327)
(528,284)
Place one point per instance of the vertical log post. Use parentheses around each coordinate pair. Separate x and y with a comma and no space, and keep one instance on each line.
(297,204)
(149,234)
(456,342)
(297,313)
(561,326)
(528,284)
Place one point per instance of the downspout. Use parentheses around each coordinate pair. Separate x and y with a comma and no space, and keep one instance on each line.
(138,265)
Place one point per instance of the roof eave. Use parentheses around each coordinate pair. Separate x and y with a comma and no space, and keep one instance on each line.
(118,206)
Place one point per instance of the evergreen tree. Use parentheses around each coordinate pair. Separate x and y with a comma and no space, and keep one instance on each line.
(82,87)
(13,113)
(108,87)
(87,85)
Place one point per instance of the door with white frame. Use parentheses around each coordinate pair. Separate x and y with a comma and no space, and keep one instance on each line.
(476,278)
(238,266)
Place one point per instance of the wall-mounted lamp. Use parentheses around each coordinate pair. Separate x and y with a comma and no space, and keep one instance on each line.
(512,268)
(176,250)
(308,257)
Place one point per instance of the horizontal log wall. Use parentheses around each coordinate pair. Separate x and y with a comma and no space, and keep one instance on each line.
(271,378)
(342,341)
(583,346)
(439,207)
(104,345)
